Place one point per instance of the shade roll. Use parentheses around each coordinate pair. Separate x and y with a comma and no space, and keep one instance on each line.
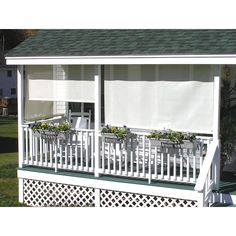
(61,83)
(36,110)
(179,97)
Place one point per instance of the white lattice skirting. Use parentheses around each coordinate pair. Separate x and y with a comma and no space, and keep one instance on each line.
(42,193)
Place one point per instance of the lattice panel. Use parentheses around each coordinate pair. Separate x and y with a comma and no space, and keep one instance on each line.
(41,193)
(110,198)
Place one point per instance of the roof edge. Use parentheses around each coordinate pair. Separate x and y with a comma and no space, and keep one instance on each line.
(124,59)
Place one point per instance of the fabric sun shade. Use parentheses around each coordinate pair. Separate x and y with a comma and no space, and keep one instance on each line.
(61,83)
(178,97)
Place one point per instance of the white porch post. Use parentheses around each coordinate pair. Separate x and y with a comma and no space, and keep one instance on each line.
(97,125)
(20,106)
(20,96)
(216,125)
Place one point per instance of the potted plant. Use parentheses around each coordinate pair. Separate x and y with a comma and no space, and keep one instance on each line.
(170,138)
(51,131)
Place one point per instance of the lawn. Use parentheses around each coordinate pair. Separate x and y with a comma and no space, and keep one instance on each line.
(8,162)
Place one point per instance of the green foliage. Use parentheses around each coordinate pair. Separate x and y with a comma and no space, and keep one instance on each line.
(173,136)
(57,128)
(8,163)
(118,132)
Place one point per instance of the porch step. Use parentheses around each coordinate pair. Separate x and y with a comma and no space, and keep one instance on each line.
(217,204)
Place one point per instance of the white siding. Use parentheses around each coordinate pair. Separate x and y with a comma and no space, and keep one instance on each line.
(7,83)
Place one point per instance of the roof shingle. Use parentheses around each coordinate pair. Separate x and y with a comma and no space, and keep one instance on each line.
(112,42)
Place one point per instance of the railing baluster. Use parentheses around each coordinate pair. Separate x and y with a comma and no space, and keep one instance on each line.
(168,165)
(44,148)
(114,157)
(51,153)
(120,158)
(36,150)
(162,165)
(61,158)
(188,168)
(66,156)
(144,175)
(55,154)
(41,151)
(103,155)
(149,163)
(81,151)
(194,168)
(174,166)
(86,151)
(26,146)
(31,142)
(126,160)
(76,150)
(92,151)
(181,166)
(137,161)
(46,153)
(155,167)
(132,159)
(109,158)
(71,157)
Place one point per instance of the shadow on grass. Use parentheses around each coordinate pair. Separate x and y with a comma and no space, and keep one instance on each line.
(7,120)
(8,144)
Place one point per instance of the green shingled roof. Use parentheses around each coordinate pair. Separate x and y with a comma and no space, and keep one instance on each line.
(97,42)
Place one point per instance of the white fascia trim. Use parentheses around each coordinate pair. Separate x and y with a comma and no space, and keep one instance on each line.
(124,59)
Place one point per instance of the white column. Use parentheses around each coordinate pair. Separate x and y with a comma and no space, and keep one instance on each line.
(21,190)
(20,97)
(97,125)
(216,126)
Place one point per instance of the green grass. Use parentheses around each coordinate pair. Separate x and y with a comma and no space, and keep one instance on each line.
(8,163)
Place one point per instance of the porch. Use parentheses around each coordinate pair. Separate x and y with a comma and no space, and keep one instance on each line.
(88,97)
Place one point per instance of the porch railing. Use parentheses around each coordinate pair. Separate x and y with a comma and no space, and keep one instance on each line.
(206,180)
(138,158)
(76,154)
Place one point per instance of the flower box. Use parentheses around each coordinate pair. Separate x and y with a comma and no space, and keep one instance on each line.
(166,143)
(113,138)
(50,131)
(51,135)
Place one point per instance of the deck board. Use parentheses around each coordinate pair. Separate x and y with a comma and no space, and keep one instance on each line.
(164,184)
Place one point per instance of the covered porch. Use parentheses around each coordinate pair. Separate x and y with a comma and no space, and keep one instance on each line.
(89,97)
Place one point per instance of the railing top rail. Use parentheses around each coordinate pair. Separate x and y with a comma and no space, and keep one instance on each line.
(211,153)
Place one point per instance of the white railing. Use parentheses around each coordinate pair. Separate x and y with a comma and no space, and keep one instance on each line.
(140,159)
(76,153)
(206,179)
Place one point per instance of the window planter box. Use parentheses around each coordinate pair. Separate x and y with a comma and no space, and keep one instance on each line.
(51,135)
(112,138)
(166,143)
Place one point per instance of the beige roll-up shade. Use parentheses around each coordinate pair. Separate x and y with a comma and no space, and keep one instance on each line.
(61,83)
(36,110)
(179,97)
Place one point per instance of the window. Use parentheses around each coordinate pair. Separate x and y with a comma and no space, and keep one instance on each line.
(9,73)
(1,92)
(13,91)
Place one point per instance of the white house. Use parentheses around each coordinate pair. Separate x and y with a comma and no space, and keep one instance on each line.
(144,79)
(7,79)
